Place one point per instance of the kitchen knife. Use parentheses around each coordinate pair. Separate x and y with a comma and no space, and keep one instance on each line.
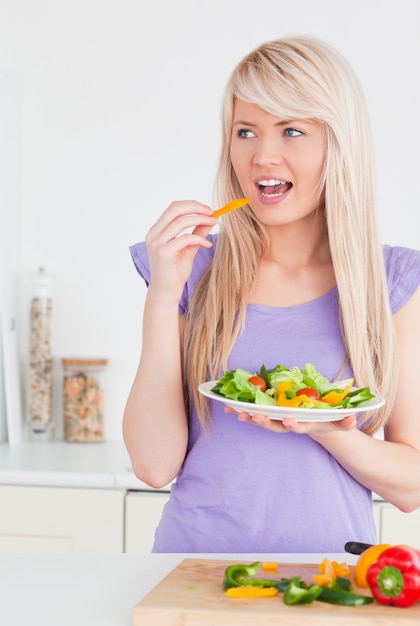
(356,547)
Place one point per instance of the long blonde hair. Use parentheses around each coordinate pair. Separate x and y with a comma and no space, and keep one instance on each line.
(300,78)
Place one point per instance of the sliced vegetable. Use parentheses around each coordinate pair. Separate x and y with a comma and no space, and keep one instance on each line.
(241,575)
(395,577)
(309,392)
(258,381)
(249,591)
(294,387)
(343,597)
(231,206)
(299,593)
(330,571)
(269,565)
(238,582)
(335,397)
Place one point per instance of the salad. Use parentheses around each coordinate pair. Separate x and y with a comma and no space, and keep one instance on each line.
(280,386)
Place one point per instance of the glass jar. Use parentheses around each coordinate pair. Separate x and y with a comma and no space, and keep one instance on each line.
(40,359)
(83,399)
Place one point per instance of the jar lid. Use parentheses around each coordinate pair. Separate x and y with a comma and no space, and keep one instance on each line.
(83,362)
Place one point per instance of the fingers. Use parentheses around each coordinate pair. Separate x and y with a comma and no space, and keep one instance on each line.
(289,424)
(172,243)
(179,217)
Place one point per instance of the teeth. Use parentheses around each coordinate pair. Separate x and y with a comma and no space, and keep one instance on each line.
(271,182)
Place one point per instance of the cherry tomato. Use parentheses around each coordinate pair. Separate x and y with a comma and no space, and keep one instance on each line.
(259,382)
(310,392)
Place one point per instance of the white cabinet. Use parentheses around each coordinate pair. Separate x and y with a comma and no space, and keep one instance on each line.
(398,527)
(49,519)
(143,510)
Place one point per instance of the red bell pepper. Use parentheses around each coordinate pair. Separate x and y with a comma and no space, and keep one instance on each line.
(395,577)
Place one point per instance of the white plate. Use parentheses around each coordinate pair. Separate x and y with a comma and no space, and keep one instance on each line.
(280,412)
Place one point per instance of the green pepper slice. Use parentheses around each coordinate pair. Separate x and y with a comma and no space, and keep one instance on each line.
(342,597)
(240,575)
(298,592)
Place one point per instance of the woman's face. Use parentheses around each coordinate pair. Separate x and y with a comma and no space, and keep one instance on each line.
(278,163)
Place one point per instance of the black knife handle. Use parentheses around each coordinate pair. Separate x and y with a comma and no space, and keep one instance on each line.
(356,547)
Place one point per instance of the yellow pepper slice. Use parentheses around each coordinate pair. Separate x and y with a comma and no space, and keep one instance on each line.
(281,395)
(282,400)
(249,591)
(321,579)
(268,565)
(334,397)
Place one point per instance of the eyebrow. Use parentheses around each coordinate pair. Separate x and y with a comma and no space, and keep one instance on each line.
(245,123)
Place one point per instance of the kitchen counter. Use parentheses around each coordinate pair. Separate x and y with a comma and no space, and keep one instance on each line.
(62,464)
(96,590)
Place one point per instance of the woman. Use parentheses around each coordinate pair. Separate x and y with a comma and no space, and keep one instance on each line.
(297,276)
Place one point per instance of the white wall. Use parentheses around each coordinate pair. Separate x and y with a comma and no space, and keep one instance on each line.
(120,115)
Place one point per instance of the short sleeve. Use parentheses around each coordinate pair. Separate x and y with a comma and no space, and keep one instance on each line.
(203,257)
(141,260)
(403,274)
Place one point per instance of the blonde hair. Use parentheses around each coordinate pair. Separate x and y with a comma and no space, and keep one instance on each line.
(301,78)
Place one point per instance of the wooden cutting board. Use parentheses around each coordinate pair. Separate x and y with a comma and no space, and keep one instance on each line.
(192,595)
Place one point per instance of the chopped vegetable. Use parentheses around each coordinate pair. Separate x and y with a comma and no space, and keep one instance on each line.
(249,591)
(231,206)
(238,582)
(395,577)
(309,392)
(329,571)
(259,382)
(240,575)
(305,388)
(267,565)
(335,397)
(298,593)
(342,597)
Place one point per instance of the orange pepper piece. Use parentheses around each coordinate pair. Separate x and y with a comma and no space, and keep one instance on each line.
(329,571)
(327,568)
(249,591)
(231,206)
(341,569)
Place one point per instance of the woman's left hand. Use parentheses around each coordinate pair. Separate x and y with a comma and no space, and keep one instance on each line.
(289,424)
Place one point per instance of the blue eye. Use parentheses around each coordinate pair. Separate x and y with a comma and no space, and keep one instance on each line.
(292,132)
(244,133)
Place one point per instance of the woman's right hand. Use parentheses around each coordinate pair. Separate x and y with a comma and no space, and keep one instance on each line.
(172,243)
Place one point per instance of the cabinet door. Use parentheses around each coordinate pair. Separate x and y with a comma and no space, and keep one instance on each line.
(377,517)
(398,527)
(143,510)
(49,519)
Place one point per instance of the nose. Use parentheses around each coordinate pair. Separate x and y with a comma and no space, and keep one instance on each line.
(268,152)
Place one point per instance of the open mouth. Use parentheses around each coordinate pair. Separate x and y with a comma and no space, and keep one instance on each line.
(273,188)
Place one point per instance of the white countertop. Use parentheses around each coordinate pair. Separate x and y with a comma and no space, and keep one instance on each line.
(62,464)
(97,590)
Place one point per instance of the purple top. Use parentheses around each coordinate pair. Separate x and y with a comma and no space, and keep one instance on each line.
(245,489)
